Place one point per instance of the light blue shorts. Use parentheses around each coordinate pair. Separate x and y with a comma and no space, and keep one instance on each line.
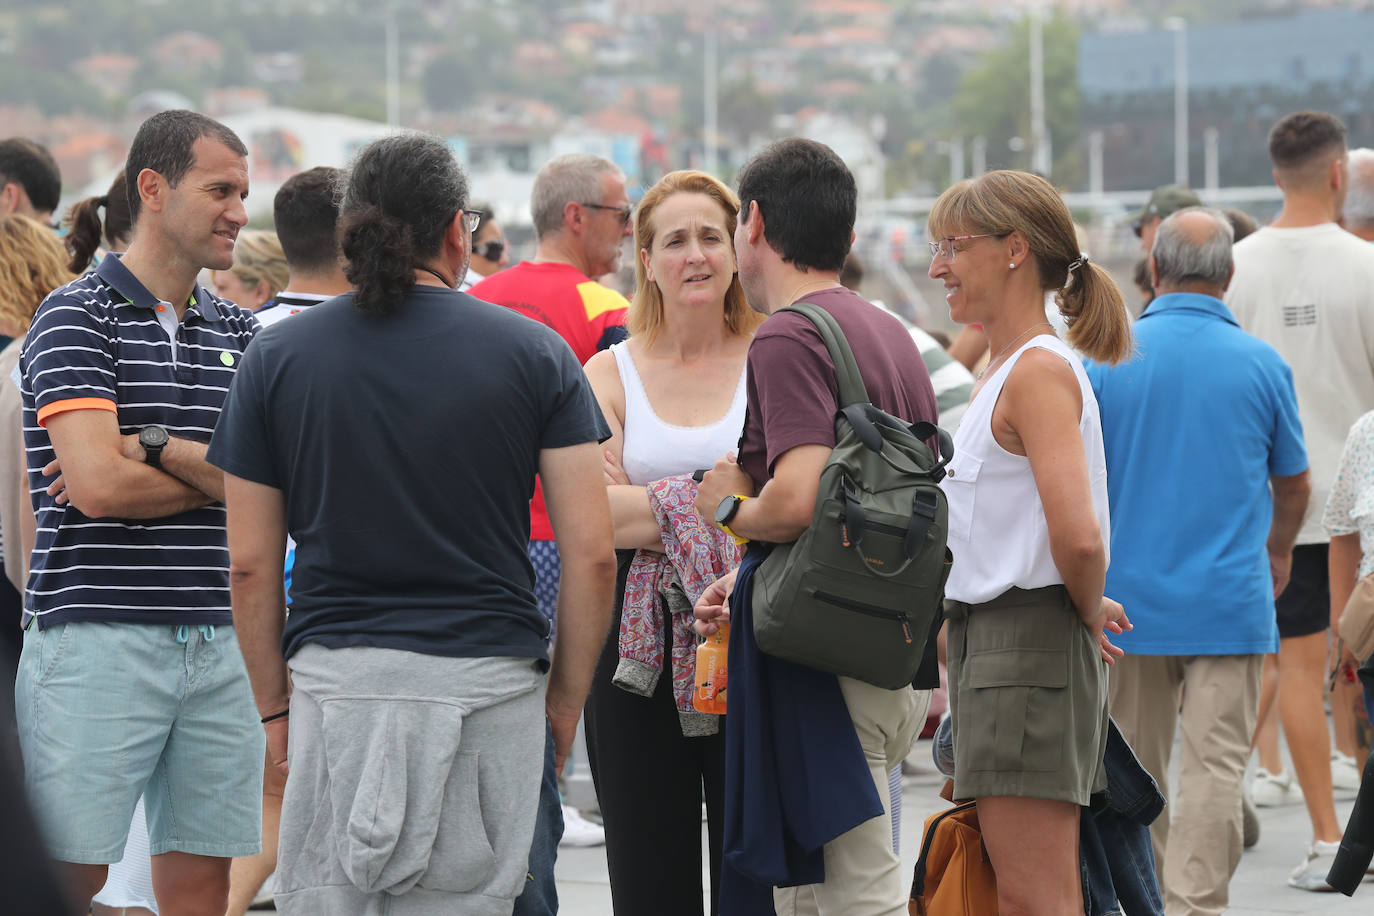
(109,711)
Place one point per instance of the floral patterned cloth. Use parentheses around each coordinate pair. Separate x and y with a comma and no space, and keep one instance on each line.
(696,553)
(1350,508)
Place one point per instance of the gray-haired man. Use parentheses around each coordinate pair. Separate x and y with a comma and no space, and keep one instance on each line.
(1357,216)
(1202,630)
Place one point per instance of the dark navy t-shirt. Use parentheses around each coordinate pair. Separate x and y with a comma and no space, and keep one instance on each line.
(406,447)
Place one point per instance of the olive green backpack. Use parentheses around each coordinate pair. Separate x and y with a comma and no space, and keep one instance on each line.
(860,592)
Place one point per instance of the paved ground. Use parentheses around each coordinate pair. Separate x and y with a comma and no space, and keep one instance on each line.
(1258,887)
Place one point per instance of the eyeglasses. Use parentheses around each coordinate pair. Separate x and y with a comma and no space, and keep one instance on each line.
(625,212)
(474,217)
(945,246)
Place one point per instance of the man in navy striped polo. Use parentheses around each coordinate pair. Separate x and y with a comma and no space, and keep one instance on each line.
(131,681)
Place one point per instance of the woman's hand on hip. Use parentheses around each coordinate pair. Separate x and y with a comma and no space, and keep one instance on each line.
(1110,619)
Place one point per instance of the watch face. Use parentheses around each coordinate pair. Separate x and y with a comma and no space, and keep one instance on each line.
(152,437)
(726,510)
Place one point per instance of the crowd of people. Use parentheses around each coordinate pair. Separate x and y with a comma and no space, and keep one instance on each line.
(420,510)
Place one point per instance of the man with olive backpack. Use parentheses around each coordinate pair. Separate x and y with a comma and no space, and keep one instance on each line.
(816,826)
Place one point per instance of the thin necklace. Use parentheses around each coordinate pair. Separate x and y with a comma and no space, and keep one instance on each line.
(818,286)
(1015,340)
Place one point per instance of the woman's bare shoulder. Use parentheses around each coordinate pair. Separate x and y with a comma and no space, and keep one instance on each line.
(603,374)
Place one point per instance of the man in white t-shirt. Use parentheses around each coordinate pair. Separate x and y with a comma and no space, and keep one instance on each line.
(1304,285)
(306,214)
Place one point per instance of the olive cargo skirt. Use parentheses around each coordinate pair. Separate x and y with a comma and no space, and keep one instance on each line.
(1028,694)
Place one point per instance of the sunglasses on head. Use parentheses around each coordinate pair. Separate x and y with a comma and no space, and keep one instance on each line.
(490,250)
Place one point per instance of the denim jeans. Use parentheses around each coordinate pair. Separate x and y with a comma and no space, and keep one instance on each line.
(1114,849)
(1367,683)
(540,897)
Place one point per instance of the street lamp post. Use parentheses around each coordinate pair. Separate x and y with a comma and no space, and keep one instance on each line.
(1179,27)
(393,69)
(710,125)
(1040,141)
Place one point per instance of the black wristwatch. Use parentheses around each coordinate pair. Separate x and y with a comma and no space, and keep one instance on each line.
(153,439)
(725,512)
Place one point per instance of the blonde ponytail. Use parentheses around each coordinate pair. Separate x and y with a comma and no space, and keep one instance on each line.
(1099,325)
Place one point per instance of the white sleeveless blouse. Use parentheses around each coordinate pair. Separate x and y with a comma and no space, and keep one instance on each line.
(654,449)
(997,528)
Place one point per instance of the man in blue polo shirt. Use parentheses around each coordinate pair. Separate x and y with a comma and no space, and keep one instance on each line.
(1198,427)
(131,680)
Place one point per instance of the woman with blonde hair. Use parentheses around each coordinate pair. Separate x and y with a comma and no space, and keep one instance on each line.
(1028,525)
(32,264)
(259,270)
(674,396)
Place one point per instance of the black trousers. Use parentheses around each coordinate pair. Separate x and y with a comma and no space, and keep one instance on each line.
(649,781)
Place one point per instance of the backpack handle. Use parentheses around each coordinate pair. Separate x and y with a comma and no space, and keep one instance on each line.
(918,883)
(923,431)
(851,383)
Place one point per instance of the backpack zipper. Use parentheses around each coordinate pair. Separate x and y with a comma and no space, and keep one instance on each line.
(869,610)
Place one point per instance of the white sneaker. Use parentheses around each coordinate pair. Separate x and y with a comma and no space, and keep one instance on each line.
(1345,775)
(1274,790)
(578,831)
(1310,875)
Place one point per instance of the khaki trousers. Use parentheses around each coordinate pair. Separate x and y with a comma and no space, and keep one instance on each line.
(863,876)
(1197,840)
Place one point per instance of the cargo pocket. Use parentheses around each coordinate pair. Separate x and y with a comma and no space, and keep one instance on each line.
(1019,706)
(958,484)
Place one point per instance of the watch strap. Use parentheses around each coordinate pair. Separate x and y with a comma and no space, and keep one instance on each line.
(738,540)
(725,526)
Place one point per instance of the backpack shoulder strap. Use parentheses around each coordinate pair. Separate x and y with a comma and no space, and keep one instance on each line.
(851,383)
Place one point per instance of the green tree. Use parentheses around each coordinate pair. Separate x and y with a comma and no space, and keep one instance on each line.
(993,100)
(744,110)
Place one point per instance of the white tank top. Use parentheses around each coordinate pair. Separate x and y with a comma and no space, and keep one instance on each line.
(654,449)
(997,528)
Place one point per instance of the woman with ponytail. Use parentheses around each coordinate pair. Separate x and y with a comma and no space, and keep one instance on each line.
(87,229)
(1028,525)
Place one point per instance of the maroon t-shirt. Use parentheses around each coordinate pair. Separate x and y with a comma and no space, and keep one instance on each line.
(793,391)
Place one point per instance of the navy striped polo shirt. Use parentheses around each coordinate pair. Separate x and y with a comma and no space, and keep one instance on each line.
(105,342)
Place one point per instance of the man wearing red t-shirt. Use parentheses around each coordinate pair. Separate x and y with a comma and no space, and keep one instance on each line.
(581,218)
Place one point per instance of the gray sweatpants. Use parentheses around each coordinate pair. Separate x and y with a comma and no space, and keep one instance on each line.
(414,783)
